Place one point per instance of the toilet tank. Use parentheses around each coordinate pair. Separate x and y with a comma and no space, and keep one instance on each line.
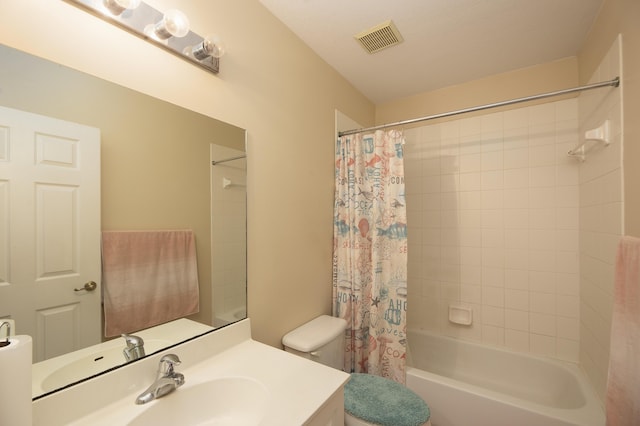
(320,340)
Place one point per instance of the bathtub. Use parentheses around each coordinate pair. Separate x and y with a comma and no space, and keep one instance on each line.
(468,384)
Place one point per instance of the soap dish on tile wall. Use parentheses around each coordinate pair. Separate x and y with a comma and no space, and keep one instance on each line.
(460,315)
(601,134)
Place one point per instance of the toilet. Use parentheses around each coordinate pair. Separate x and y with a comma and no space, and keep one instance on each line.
(392,404)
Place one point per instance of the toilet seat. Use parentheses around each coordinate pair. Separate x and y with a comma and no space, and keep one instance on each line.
(375,400)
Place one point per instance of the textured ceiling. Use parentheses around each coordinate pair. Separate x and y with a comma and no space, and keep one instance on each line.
(446,42)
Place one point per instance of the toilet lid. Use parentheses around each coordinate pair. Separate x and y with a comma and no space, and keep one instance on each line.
(383,402)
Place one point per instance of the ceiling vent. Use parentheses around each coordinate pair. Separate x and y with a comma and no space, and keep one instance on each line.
(379,37)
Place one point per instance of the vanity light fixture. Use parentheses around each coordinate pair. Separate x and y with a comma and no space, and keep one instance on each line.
(116,7)
(212,45)
(169,30)
(173,24)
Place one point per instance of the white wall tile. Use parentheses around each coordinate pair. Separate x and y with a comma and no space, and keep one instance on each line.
(543,324)
(516,238)
(517,299)
(542,114)
(470,163)
(516,198)
(543,303)
(568,328)
(568,350)
(543,345)
(516,118)
(492,179)
(542,260)
(492,315)
(542,176)
(542,155)
(542,281)
(516,218)
(508,223)
(542,219)
(516,259)
(517,319)
(567,218)
(492,199)
(542,197)
(517,279)
(470,126)
(516,178)
(470,181)
(542,135)
(492,161)
(516,157)
(492,276)
(492,335)
(516,340)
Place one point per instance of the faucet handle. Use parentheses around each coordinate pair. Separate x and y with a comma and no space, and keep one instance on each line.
(132,341)
(167,363)
(135,347)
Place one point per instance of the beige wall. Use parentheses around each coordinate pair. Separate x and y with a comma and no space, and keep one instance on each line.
(542,78)
(621,17)
(272,85)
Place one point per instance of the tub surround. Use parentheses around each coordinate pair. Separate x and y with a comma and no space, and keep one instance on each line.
(299,391)
(494,226)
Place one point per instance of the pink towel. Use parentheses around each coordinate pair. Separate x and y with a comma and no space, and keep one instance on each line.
(623,384)
(149,277)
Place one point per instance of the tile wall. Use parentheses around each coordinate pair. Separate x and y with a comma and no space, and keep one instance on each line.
(493,216)
(601,219)
(502,222)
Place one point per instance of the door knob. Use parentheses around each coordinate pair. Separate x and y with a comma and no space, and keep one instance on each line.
(88,286)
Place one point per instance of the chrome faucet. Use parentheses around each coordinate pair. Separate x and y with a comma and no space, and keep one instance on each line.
(166,382)
(134,349)
(6,342)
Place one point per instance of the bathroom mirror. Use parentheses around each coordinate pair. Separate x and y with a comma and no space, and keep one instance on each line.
(155,169)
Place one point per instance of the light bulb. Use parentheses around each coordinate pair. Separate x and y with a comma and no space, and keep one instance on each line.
(116,7)
(174,23)
(212,45)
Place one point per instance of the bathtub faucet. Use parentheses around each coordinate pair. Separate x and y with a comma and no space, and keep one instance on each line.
(135,347)
(166,382)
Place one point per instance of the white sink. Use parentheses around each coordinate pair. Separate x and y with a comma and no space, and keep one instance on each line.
(230,379)
(223,401)
(55,373)
(93,364)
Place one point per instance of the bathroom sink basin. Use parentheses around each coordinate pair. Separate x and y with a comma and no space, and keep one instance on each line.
(225,401)
(92,364)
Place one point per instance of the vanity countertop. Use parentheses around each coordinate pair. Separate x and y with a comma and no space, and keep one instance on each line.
(296,388)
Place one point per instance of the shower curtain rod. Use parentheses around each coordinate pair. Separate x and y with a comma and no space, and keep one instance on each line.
(213,163)
(614,83)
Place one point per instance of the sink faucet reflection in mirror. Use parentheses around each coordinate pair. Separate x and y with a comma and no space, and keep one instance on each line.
(166,382)
(135,347)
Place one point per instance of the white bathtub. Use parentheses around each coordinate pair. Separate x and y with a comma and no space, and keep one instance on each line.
(467,384)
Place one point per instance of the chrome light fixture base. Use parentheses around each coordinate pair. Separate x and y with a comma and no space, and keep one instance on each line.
(136,20)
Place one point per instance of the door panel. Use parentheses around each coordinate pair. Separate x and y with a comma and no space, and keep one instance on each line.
(50,223)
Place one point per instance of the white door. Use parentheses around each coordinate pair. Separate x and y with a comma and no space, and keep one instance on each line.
(50,230)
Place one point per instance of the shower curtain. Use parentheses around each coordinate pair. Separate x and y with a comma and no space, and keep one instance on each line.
(370,252)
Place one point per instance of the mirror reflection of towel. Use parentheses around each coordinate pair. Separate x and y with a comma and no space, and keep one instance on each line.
(149,278)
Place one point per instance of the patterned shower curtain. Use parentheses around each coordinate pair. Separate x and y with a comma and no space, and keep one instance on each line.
(370,252)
